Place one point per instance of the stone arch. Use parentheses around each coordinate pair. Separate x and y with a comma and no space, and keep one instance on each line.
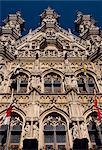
(94,127)
(52,81)
(20,112)
(92,77)
(19,78)
(48,112)
(21,70)
(56,110)
(89,112)
(88,71)
(54,71)
(18,123)
(16,110)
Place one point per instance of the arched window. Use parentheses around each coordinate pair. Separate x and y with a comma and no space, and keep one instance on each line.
(95,130)
(55,132)
(86,83)
(10,135)
(52,83)
(19,82)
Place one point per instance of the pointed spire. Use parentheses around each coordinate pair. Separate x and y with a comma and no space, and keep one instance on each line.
(49,16)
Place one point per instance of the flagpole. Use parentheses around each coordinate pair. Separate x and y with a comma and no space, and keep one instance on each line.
(7,138)
(9,125)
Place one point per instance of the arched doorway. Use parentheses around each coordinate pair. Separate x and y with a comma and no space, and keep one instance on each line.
(30,144)
(55,132)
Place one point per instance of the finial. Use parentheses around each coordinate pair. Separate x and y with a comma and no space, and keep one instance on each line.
(49,8)
(18,13)
(79,13)
(30,31)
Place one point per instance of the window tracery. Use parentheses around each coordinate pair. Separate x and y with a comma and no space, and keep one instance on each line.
(52,83)
(11,138)
(86,83)
(19,82)
(55,132)
(94,130)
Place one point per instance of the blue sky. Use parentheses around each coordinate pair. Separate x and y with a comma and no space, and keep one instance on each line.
(31,10)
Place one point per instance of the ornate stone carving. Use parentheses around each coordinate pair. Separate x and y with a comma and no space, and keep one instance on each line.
(50,47)
(71,82)
(35,82)
(27,130)
(35,131)
(75,131)
(83,130)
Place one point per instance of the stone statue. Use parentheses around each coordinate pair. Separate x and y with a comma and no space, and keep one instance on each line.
(29,84)
(81,28)
(88,44)
(38,81)
(67,82)
(33,81)
(74,83)
(75,131)
(27,130)
(79,15)
(35,130)
(83,130)
(75,49)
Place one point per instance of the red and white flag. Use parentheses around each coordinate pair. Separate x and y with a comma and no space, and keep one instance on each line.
(6,118)
(99,114)
(95,102)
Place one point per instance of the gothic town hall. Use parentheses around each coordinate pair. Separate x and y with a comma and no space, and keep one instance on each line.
(50,84)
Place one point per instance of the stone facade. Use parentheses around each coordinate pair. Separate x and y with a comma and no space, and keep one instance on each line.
(52,77)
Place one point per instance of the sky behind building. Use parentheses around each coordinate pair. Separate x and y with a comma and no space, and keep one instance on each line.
(31,10)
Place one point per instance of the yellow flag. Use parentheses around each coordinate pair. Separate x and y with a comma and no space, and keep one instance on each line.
(85,69)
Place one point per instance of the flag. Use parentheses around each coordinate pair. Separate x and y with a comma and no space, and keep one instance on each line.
(95,102)
(6,123)
(99,114)
(6,118)
(85,69)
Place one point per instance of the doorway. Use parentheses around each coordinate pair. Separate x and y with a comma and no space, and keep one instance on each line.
(30,144)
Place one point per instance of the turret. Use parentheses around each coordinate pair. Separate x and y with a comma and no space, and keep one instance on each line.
(49,17)
(86,25)
(12,29)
